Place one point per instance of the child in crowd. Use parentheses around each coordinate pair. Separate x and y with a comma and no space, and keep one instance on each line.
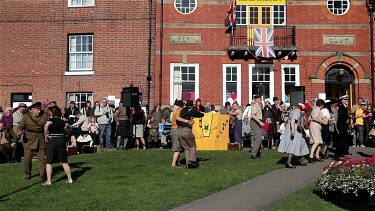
(164,130)
(93,128)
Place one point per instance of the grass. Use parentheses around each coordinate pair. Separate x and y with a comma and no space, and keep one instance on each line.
(130,180)
(304,199)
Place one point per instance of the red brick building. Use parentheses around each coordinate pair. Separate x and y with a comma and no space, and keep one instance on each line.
(77,50)
(84,49)
(323,45)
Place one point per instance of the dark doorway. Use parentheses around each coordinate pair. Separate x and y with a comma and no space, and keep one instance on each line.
(339,81)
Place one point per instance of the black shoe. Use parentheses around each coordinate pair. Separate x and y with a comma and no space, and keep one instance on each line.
(253,157)
(310,160)
(289,166)
(319,160)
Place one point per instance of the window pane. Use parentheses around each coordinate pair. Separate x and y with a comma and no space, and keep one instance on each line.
(191,77)
(293,78)
(183,70)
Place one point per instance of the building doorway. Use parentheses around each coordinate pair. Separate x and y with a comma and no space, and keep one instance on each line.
(339,81)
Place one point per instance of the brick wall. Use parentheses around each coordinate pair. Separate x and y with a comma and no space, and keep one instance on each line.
(207,21)
(34,48)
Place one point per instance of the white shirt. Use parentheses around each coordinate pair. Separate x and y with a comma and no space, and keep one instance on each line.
(326,113)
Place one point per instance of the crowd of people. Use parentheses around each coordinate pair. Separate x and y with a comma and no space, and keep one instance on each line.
(305,132)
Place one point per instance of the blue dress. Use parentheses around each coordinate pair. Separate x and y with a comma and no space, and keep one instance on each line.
(297,146)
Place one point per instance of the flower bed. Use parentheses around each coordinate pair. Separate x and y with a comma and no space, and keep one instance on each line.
(348,176)
(349,180)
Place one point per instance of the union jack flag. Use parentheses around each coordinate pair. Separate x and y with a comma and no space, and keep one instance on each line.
(230,18)
(263,42)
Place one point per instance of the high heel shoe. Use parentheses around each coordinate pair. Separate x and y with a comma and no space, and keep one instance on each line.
(289,166)
(319,159)
(310,160)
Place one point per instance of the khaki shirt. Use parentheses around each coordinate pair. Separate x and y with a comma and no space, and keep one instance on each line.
(34,131)
(257,110)
(17,116)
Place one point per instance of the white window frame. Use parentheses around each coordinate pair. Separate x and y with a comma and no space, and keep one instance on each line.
(184,12)
(81,52)
(238,16)
(196,87)
(272,80)
(334,12)
(297,77)
(80,5)
(273,15)
(76,101)
(239,85)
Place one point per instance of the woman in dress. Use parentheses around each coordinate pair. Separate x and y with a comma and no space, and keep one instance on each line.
(237,129)
(315,131)
(292,141)
(56,147)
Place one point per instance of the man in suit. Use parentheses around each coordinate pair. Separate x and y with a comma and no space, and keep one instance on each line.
(342,126)
(34,141)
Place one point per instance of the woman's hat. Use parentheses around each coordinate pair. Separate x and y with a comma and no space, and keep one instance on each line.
(22,105)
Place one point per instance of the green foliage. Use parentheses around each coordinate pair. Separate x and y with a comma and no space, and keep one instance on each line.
(130,180)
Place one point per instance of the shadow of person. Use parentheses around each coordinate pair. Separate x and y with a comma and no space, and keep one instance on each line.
(283,160)
(75,173)
(16,191)
(364,154)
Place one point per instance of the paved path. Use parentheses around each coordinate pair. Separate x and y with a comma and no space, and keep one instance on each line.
(262,191)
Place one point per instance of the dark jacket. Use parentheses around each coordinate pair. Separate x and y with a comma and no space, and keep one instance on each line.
(343,118)
(70,112)
(188,113)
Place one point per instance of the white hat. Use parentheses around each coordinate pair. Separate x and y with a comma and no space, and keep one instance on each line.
(327,101)
(301,105)
(345,97)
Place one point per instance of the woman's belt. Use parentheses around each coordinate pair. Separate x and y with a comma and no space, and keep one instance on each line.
(57,135)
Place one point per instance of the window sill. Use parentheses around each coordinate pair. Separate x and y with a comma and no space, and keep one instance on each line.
(69,6)
(79,73)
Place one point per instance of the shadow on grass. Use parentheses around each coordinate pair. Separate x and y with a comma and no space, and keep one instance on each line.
(348,201)
(283,160)
(75,174)
(183,160)
(16,191)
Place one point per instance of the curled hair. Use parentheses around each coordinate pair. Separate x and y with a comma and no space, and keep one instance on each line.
(55,111)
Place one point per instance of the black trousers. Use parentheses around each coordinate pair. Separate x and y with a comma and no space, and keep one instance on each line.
(343,141)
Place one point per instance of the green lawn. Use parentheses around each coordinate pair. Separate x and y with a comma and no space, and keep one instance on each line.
(304,199)
(130,180)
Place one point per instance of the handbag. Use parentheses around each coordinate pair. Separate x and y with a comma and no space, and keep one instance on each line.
(372,132)
(84,138)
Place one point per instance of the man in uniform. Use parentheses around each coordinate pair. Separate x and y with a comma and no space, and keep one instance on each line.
(342,126)
(186,136)
(256,125)
(34,141)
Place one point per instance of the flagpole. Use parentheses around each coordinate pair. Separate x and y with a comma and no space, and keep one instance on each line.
(231,35)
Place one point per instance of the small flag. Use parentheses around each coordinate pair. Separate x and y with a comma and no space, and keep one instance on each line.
(230,18)
(264,42)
